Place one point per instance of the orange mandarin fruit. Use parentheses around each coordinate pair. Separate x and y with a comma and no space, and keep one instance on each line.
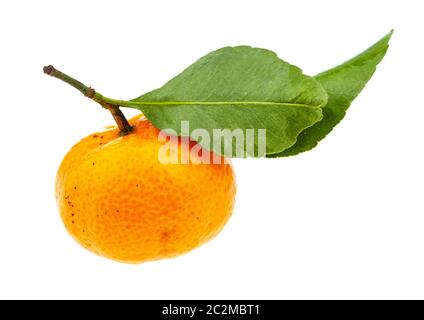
(119,201)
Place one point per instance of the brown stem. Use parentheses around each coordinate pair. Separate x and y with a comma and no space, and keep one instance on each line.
(121,121)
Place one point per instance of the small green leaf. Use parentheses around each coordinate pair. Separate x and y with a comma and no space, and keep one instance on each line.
(343,84)
(238,88)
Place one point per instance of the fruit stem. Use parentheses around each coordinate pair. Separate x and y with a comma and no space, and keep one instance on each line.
(118,116)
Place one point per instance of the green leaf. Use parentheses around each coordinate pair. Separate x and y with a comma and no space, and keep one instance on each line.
(343,84)
(238,88)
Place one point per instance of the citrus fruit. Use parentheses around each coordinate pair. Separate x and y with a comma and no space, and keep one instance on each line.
(119,201)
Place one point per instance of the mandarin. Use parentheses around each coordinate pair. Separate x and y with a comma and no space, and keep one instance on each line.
(119,201)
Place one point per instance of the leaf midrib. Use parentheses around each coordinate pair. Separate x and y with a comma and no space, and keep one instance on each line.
(212,103)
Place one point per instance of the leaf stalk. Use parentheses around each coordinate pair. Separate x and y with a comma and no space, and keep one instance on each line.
(109,104)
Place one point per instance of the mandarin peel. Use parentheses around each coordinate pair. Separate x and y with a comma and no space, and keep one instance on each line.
(118,201)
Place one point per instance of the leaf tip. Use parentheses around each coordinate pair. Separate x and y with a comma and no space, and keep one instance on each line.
(389,35)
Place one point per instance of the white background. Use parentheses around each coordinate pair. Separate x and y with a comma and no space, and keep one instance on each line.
(345,220)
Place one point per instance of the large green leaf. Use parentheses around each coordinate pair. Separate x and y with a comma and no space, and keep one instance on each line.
(342,83)
(238,88)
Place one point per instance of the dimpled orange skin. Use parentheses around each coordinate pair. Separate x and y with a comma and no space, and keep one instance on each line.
(118,201)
